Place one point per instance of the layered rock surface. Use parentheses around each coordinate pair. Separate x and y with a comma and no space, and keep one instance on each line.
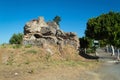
(39,33)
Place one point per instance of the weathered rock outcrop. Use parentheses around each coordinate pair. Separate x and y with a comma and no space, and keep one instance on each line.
(38,32)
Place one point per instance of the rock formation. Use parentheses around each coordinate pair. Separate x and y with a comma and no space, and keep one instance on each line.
(39,33)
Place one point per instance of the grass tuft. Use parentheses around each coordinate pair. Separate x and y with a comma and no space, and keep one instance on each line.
(32,51)
(28,46)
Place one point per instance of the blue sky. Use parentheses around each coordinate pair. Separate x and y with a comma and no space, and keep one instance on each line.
(74,14)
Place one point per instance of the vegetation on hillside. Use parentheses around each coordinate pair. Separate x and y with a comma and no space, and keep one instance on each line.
(16,39)
(57,19)
(27,54)
(32,62)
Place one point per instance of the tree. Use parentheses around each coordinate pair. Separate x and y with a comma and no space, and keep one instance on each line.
(57,19)
(105,27)
(85,43)
(117,44)
(16,38)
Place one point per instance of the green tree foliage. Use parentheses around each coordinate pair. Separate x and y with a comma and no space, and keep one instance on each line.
(84,43)
(16,38)
(57,19)
(105,27)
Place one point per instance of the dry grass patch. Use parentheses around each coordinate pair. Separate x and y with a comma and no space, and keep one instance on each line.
(35,63)
(29,54)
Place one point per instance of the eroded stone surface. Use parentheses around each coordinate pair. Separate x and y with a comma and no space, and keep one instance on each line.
(38,32)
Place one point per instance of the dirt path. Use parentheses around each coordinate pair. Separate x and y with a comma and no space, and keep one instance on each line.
(110,68)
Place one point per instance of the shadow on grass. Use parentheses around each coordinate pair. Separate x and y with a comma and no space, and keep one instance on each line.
(87,56)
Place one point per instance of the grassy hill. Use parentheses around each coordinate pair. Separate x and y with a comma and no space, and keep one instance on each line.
(36,63)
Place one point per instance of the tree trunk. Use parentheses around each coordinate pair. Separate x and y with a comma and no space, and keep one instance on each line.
(85,50)
(113,50)
(107,48)
(96,54)
(118,54)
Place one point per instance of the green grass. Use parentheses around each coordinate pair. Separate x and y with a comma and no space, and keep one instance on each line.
(16,46)
(32,51)
(90,50)
(28,46)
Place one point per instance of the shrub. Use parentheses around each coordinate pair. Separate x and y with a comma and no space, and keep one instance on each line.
(16,39)
(57,19)
(90,50)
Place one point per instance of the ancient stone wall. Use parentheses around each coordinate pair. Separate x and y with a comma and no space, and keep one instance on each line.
(38,32)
